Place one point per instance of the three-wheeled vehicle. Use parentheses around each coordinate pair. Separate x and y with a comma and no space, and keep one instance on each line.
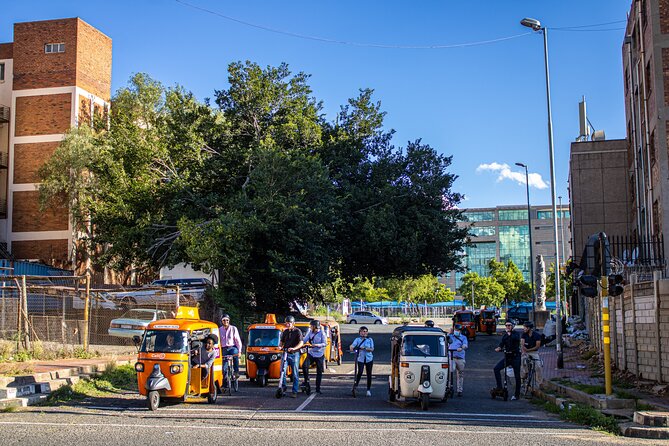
(164,367)
(487,321)
(263,355)
(466,319)
(419,365)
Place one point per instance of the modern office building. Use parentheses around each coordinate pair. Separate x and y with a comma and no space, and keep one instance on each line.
(502,233)
(54,75)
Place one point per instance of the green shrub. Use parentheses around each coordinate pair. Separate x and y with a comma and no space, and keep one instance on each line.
(588,416)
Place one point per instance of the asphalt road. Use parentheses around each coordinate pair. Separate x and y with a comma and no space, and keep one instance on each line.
(253,416)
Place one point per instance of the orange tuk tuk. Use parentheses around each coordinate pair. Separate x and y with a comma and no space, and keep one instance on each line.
(466,319)
(487,321)
(166,367)
(263,355)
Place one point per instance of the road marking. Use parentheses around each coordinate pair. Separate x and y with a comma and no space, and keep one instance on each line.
(306,402)
(312,429)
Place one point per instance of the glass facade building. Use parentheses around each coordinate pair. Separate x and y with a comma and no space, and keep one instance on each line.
(503,234)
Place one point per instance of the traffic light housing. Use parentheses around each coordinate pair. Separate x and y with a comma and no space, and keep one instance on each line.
(588,285)
(616,282)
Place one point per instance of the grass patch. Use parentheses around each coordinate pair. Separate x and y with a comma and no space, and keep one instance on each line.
(9,409)
(588,416)
(546,405)
(622,384)
(9,353)
(625,395)
(113,379)
(587,388)
(643,406)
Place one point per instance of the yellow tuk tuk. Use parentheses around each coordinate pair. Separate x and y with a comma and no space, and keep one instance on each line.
(167,365)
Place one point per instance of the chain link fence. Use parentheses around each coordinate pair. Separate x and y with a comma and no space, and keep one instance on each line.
(65,311)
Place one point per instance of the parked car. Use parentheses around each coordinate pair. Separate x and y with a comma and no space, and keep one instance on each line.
(365,317)
(198,282)
(518,315)
(134,322)
(148,296)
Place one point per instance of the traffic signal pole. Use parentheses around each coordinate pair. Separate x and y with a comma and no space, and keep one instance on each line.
(606,330)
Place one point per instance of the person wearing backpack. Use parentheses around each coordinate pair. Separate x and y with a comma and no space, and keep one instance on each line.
(316,340)
(458,345)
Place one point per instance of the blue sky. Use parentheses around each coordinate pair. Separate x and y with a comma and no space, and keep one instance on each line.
(483,104)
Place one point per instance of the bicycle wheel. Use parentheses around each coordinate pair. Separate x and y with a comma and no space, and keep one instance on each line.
(235,384)
(228,380)
(529,382)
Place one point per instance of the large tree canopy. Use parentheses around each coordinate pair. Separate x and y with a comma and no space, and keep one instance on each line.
(260,188)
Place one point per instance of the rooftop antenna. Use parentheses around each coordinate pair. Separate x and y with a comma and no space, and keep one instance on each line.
(586,129)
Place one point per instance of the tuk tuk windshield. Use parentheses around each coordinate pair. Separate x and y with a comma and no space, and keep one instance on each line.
(264,337)
(488,315)
(424,345)
(165,341)
(464,317)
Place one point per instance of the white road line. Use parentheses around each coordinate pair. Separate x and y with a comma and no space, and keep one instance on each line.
(306,402)
(457,415)
(314,429)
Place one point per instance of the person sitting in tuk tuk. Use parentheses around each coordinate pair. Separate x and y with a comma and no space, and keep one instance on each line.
(173,345)
(316,340)
(204,356)
(458,345)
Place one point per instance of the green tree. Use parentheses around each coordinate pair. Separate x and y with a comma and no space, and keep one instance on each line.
(511,278)
(487,291)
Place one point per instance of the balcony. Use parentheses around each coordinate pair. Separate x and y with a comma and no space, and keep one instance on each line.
(4,113)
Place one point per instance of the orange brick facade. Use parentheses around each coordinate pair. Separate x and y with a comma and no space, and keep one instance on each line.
(26,214)
(48,251)
(28,158)
(51,92)
(43,115)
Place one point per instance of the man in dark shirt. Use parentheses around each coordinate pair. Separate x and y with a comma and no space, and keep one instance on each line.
(531,343)
(291,340)
(510,345)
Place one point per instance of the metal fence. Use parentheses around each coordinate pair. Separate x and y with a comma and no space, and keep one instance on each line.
(631,255)
(66,311)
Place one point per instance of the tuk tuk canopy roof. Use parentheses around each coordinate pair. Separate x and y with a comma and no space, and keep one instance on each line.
(414,328)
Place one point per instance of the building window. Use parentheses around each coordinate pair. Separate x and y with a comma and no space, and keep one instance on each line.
(480,216)
(513,214)
(514,244)
(2,72)
(482,231)
(50,48)
(548,215)
(478,256)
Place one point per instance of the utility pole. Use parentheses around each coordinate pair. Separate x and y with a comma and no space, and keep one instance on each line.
(472,296)
(603,246)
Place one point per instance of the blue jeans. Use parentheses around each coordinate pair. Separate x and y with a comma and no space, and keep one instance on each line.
(226,351)
(293,360)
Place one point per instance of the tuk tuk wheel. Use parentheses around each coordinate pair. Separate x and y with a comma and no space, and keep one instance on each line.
(212,396)
(153,400)
(391,395)
(279,393)
(262,380)
(424,401)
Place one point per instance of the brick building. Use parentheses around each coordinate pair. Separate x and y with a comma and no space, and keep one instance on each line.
(54,75)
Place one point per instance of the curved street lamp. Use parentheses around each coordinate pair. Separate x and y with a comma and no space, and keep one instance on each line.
(529,228)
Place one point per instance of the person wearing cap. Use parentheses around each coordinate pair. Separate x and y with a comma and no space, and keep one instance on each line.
(231,343)
(291,340)
(510,345)
(316,340)
(458,344)
(530,345)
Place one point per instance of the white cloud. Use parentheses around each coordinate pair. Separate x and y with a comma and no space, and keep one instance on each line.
(505,173)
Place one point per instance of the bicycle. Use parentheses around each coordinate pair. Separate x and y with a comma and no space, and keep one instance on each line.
(229,379)
(530,381)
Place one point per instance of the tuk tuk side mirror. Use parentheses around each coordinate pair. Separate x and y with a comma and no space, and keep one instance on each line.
(136,340)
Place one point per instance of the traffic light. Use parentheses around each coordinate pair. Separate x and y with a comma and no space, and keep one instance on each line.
(616,282)
(588,285)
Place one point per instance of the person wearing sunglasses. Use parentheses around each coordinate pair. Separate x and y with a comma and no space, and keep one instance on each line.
(231,343)
(510,345)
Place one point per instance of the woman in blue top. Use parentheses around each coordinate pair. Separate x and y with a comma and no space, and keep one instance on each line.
(364,346)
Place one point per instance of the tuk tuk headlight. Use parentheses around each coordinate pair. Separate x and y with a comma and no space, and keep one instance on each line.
(176,368)
(251,357)
(139,366)
(275,357)
(426,383)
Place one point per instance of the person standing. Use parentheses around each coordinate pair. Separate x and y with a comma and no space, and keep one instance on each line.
(458,345)
(231,343)
(510,345)
(530,345)
(364,346)
(316,340)
(291,340)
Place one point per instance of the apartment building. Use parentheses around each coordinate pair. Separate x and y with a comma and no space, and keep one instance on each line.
(54,75)
(503,233)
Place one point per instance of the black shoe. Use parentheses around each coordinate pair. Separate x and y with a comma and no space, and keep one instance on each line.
(292,395)
(459,394)
(318,391)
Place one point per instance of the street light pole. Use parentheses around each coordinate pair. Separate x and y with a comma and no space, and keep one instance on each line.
(564,258)
(536,26)
(529,228)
